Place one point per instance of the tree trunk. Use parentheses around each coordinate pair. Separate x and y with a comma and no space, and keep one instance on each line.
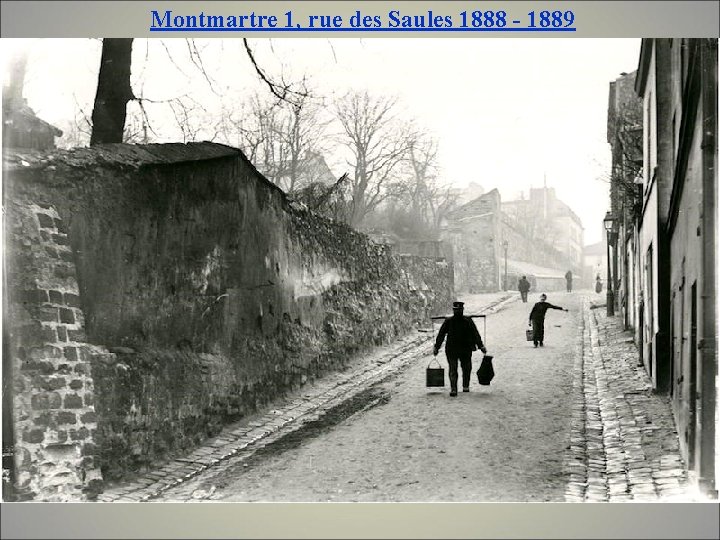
(113,91)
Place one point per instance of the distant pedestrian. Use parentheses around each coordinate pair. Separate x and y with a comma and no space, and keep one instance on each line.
(463,338)
(523,287)
(537,319)
(598,284)
(568,279)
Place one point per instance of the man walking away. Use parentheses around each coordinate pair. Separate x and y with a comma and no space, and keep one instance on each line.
(462,339)
(537,319)
(523,287)
(568,279)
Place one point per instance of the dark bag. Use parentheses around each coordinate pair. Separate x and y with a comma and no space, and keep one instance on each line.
(529,334)
(434,376)
(598,286)
(485,372)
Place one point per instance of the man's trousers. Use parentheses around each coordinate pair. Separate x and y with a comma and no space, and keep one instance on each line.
(465,359)
(538,331)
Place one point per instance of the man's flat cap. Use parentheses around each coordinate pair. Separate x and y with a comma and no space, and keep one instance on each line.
(458,304)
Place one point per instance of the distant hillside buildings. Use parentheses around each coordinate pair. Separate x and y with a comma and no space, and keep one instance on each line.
(494,243)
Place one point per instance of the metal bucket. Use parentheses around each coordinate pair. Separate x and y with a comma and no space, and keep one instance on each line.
(529,335)
(434,376)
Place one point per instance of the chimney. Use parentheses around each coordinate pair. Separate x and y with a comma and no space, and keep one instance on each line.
(14,90)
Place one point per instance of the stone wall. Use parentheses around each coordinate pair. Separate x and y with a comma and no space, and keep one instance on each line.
(52,412)
(211,293)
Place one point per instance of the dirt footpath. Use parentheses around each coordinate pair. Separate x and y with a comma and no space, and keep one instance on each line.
(400,441)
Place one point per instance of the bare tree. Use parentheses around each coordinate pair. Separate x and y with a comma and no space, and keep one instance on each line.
(377,142)
(421,198)
(301,133)
(113,91)
(284,140)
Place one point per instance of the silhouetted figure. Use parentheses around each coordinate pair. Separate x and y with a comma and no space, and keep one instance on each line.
(523,287)
(568,280)
(537,319)
(462,339)
(598,284)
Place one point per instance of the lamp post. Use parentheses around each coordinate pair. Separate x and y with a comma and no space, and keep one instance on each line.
(609,223)
(505,245)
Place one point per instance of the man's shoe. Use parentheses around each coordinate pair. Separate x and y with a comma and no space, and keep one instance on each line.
(541,343)
(453,393)
(535,345)
(466,389)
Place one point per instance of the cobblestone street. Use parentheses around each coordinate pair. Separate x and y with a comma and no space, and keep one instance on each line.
(624,445)
(573,421)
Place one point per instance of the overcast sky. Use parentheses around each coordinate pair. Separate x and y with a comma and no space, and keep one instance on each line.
(506,111)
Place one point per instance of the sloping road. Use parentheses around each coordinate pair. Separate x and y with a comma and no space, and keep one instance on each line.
(400,441)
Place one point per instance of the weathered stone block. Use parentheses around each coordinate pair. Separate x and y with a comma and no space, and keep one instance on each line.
(89,399)
(60,239)
(35,296)
(48,314)
(37,334)
(73,401)
(56,297)
(76,384)
(34,436)
(64,271)
(52,252)
(62,333)
(71,353)
(43,353)
(46,222)
(42,419)
(77,335)
(66,256)
(83,368)
(53,383)
(46,400)
(60,226)
(66,417)
(72,300)
(89,449)
(89,417)
(41,366)
(67,316)
(79,434)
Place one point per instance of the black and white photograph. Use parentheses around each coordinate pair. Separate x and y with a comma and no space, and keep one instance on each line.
(359,270)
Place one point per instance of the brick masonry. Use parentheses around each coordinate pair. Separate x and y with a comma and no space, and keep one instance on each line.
(53,407)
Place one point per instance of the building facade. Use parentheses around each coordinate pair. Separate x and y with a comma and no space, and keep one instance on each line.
(491,248)
(668,252)
(544,215)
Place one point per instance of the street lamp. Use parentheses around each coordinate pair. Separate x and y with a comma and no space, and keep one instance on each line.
(505,245)
(609,223)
